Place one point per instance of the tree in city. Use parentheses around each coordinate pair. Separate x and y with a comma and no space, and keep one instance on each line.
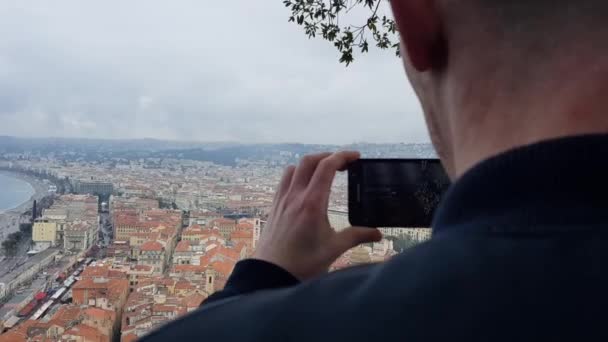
(352,26)
(10,246)
(26,230)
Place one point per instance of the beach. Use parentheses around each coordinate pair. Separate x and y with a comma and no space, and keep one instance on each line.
(11,218)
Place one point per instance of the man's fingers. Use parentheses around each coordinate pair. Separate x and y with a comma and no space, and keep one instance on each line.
(306,169)
(320,184)
(325,172)
(284,183)
(282,188)
(354,236)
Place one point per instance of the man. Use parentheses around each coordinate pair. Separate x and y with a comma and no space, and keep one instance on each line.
(514,94)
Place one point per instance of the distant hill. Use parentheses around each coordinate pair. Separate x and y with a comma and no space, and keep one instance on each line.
(216,152)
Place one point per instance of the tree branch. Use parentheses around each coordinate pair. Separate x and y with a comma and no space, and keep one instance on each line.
(325,17)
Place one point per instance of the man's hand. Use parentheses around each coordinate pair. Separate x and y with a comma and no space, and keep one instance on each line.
(298,236)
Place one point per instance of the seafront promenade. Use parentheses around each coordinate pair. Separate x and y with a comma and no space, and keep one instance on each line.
(11,218)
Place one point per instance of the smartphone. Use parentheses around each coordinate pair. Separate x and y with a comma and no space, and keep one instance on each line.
(395,192)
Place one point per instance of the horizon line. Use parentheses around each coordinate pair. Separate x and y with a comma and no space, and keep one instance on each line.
(212,142)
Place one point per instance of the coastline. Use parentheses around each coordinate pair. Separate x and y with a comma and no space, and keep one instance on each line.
(11,218)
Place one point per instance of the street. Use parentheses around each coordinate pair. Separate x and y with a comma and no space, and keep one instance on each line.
(105,230)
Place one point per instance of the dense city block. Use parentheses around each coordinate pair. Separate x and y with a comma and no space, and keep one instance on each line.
(129,240)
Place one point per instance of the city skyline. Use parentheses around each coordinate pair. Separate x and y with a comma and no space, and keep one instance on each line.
(126,237)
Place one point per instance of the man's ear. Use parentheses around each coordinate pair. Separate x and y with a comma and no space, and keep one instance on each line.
(420,26)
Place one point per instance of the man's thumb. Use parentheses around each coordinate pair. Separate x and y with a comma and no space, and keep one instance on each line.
(354,236)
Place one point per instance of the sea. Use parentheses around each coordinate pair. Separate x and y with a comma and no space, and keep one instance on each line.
(13,192)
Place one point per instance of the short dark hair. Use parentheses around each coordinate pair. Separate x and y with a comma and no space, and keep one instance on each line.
(519,14)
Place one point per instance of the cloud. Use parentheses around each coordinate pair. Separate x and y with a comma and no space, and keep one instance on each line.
(191,70)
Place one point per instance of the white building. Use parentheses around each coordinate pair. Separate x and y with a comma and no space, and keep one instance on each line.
(339,220)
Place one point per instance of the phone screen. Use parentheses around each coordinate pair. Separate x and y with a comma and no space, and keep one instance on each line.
(395,192)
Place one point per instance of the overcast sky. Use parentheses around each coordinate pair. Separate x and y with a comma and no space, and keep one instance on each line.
(191,70)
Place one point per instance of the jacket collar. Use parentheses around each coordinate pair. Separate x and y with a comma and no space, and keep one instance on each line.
(555,182)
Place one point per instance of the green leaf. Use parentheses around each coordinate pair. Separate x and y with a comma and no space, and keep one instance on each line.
(331,20)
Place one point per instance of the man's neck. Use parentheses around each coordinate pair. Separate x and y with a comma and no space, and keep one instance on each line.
(547,109)
(478,152)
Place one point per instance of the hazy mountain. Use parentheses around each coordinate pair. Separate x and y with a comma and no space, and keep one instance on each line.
(225,153)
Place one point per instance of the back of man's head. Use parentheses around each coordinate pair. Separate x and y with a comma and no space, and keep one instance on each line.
(496,74)
(535,27)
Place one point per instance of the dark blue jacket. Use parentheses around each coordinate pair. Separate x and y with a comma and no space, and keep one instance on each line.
(519,253)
